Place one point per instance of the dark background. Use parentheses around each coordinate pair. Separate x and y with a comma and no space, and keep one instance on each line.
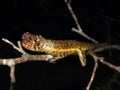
(99,19)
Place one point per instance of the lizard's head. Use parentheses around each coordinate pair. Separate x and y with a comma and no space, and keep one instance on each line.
(30,41)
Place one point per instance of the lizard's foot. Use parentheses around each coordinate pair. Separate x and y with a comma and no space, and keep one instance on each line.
(54,59)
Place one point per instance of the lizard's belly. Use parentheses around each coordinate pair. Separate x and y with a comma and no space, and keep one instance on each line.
(61,52)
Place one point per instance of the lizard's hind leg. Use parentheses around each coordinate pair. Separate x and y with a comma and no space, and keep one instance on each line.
(82,57)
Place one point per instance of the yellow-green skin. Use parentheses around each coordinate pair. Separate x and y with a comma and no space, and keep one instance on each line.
(57,48)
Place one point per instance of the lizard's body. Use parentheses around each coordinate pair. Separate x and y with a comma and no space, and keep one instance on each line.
(57,48)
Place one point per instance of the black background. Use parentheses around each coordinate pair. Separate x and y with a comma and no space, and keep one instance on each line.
(99,19)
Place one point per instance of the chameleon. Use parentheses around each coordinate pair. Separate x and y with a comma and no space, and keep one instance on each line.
(57,48)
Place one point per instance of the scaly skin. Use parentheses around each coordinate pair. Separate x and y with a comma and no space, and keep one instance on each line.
(57,48)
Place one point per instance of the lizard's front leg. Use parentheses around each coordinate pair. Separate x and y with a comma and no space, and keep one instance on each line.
(54,59)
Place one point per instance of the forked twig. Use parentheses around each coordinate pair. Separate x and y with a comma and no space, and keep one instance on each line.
(79,29)
(19,48)
(96,58)
(24,58)
(114,67)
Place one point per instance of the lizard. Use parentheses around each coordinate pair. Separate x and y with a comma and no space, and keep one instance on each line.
(57,48)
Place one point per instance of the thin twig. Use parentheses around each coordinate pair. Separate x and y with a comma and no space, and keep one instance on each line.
(79,29)
(106,47)
(20,47)
(92,76)
(95,57)
(15,47)
(101,59)
(114,67)
(84,35)
(73,14)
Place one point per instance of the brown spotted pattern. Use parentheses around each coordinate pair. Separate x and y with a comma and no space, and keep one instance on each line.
(59,48)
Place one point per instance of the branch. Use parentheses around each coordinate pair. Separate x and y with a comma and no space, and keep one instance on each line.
(95,57)
(117,47)
(19,48)
(79,29)
(106,47)
(114,67)
(92,76)
(101,59)
(24,58)
(12,76)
